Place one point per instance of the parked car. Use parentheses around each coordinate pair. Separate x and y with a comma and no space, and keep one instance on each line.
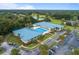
(51,52)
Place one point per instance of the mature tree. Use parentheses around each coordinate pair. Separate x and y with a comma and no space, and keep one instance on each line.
(15,51)
(43,49)
(1,39)
(9,23)
(75,51)
(74,18)
(61,37)
(2,50)
(68,30)
(63,21)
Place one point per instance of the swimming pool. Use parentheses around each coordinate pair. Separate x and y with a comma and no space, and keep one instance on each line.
(41,30)
(26,34)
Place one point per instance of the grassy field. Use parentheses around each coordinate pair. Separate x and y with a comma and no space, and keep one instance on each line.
(70,27)
(44,37)
(53,44)
(30,46)
(55,21)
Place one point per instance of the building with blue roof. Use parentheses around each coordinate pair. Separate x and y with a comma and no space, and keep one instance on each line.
(27,34)
(49,25)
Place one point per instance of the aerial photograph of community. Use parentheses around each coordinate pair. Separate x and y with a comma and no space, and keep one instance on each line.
(39,29)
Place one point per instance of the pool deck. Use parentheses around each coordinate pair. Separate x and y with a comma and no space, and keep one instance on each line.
(27,34)
(49,25)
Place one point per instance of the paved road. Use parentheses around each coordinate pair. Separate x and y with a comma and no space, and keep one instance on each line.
(70,41)
(52,39)
(7,47)
(34,52)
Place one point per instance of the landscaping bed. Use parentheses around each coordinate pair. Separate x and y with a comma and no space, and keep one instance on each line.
(43,49)
(53,44)
(14,40)
(40,39)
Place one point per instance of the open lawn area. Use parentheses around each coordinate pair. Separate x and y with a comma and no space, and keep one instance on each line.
(78,28)
(46,36)
(70,27)
(53,44)
(55,21)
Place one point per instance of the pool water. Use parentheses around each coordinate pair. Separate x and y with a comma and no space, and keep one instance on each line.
(40,30)
(27,34)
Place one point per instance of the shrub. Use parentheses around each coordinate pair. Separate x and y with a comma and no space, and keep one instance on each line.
(15,52)
(2,50)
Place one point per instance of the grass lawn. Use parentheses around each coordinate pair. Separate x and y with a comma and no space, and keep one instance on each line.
(53,44)
(32,45)
(55,21)
(46,36)
(70,27)
(78,28)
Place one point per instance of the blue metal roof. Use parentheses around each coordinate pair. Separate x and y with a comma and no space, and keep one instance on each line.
(26,34)
(48,25)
